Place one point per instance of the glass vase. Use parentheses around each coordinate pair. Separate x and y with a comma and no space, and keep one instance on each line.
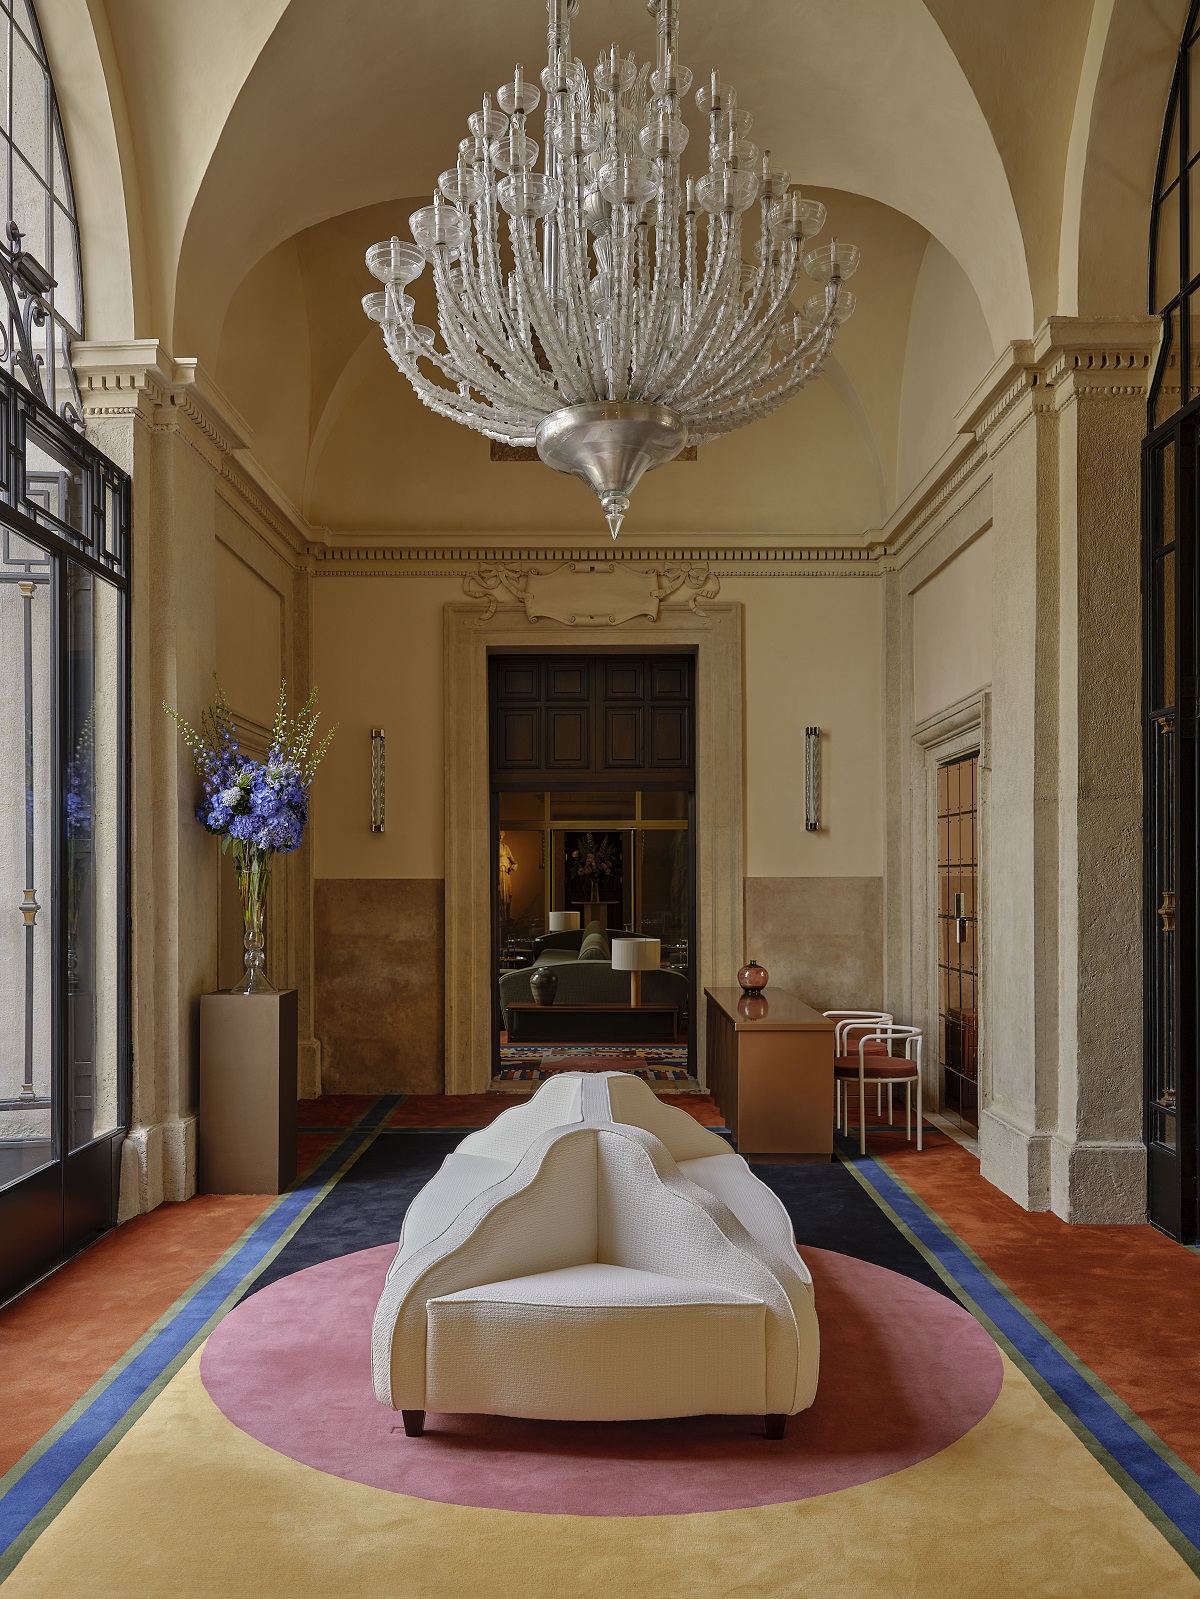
(253,869)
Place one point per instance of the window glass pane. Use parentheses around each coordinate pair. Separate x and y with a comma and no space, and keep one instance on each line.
(665,897)
(26,889)
(91,856)
(53,480)
(592,807)
(1164,654)
(1166,400)
(67,301)
(1163,530)
(1171,164)
(668,806)
(1166,258)
(31,105)
(522,807)
(29,210)
(62,187)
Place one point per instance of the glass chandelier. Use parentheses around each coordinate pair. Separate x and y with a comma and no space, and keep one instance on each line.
(581,307)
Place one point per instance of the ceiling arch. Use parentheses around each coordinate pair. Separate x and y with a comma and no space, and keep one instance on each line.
(1114,152)
(347,106)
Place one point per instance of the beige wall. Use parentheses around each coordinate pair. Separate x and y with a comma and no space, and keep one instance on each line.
(952,630)
(378,663)
(249,637)
(813,656)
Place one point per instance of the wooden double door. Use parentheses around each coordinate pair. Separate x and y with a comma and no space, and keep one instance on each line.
(604,718)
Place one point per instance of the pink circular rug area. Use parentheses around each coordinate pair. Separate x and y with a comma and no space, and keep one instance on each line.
(904,1373)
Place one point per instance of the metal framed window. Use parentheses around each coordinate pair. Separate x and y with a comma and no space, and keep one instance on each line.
(65,1049)
(1171,664)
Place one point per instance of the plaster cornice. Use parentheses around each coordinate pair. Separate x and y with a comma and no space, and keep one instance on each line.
(1069,358)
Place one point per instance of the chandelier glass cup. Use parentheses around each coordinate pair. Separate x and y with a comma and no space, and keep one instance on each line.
(598,307)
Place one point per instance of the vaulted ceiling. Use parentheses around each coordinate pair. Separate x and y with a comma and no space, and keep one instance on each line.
(263,143)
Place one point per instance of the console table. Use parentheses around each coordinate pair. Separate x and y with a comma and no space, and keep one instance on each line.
(592,1024)
(770,1070)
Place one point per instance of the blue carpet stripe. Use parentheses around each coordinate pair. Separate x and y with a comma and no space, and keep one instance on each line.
(29,1496)
(1134,1454)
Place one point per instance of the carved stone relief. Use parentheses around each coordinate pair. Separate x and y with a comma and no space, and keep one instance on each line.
(590,593)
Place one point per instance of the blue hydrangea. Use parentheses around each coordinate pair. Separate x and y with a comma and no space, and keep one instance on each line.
(260,805)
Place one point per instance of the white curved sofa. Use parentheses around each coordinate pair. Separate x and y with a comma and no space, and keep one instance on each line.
(596,1255)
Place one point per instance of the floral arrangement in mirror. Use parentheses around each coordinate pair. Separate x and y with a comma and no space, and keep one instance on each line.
(594,859)
(257,808)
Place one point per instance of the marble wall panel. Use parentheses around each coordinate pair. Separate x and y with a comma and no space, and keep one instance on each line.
(380,989)
(821,938)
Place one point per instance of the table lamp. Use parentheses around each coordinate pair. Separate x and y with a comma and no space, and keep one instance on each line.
(564,921)
(635,956)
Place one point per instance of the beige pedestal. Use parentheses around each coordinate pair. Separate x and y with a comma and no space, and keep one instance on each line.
(247,1092)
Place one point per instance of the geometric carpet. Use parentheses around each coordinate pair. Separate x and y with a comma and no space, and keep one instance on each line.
(533,1063)
(1073,1473)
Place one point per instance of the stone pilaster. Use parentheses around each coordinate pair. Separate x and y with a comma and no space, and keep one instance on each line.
(1097,373)
(165,423)
(1061,417)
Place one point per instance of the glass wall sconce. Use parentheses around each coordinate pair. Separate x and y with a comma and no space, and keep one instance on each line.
(812,779)
(378,757)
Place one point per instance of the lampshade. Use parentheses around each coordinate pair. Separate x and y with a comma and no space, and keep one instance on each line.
(636,954)
(564,921)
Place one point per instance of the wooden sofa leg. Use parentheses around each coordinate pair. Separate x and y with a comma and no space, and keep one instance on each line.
(414,1423)
(775,1426)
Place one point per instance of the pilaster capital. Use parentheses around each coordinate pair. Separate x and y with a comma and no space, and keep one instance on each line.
(1068,358)
(1104,357)
(141,378)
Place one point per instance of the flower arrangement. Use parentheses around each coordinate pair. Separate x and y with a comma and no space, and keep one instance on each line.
(594,860)
(256,808)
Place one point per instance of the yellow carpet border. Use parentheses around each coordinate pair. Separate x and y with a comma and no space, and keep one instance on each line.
(187,1505)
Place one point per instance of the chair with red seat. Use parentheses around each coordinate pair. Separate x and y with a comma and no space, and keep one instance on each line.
(850,1023)
(884,1069)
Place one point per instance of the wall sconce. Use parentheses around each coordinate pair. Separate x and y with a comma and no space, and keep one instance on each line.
(812,778)
(378,786)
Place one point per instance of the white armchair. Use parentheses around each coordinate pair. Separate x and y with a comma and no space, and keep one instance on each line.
(573,1263)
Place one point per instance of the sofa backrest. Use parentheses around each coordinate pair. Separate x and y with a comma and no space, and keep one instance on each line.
(593,1097)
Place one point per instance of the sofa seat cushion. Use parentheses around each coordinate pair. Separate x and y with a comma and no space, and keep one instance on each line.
(876,1068)
(557,957)
(597,1342)
(595,1285)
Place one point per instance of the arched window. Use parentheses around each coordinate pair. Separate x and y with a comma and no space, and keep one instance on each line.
(40,266)
(1174,278)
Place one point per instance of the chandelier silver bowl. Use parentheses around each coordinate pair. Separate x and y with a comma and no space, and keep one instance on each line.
(582,308)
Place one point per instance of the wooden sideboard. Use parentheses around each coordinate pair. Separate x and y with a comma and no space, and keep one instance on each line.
(770,1070)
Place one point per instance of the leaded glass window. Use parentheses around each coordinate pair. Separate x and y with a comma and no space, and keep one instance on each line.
(41,275)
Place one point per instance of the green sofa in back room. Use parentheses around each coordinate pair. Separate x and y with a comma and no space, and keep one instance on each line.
(582,963)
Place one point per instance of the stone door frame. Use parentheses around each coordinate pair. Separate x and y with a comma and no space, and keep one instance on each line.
(470,634)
